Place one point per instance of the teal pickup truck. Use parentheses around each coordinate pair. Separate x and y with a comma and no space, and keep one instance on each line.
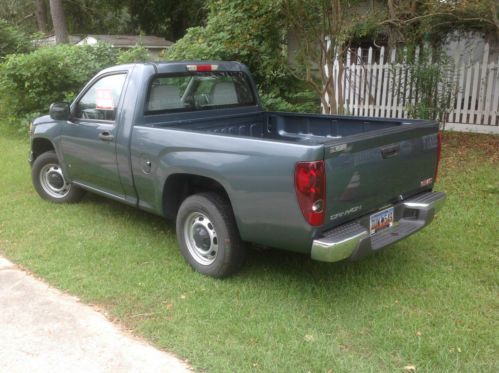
(190,141)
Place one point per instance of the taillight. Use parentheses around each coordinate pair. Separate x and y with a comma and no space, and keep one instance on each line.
(203,68)
(310,186)
(439,155)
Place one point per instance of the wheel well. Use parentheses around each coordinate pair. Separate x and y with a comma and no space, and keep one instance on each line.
(180,186)
(40,146)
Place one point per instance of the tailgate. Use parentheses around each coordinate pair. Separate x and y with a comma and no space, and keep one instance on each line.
(369,171)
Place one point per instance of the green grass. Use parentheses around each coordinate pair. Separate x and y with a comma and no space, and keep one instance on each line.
(430,301)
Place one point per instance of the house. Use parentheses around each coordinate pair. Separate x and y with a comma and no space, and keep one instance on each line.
(50,40)
(154,44)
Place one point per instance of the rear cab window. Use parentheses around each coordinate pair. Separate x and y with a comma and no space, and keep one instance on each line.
(199,91)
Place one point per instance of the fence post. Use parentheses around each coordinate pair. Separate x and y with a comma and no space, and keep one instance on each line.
(487,119)
(391,78)
(348,82)
(383,88)
(483,82)
(495,103)
(467,102)
(369,74)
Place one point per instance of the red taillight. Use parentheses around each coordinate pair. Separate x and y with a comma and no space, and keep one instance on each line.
(310,186)
(202,67)
(439,155)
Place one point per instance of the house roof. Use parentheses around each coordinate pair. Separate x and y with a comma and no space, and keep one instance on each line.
(118,41)
(127,41)
(50,40)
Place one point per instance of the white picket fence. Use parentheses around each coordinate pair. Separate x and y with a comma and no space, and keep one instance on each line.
(379,86)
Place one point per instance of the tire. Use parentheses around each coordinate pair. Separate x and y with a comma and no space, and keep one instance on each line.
(207,235)
(49,182)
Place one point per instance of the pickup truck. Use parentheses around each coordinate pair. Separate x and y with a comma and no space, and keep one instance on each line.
(190,141)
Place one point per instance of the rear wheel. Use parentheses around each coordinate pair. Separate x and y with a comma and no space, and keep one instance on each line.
(49,181)
(207,235)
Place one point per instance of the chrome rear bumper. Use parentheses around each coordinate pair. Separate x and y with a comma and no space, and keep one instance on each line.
(352,240)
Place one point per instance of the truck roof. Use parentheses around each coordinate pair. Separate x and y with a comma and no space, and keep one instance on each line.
(164,67)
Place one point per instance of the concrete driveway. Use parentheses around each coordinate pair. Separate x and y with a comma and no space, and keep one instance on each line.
(44,330)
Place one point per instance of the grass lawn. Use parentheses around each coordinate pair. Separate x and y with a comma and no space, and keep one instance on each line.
(431,301)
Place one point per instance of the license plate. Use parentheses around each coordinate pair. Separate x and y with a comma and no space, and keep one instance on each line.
(381,220)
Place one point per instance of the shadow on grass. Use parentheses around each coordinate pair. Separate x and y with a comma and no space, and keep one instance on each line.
(272,264)
(141,217)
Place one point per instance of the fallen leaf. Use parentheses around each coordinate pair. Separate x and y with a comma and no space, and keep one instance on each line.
(418,333)
(169,306)
(344,348)
(410,368)
(309,338)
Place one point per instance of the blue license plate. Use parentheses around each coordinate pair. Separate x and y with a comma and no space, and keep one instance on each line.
(381,220)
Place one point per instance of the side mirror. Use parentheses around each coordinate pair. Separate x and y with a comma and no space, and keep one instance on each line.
(59,111)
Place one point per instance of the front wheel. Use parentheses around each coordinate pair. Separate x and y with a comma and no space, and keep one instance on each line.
(207,235)
(50,182)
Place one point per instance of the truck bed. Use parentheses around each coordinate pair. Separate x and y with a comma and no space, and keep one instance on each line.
(290,127)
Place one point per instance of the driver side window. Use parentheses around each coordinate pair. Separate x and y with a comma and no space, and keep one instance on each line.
(101,100)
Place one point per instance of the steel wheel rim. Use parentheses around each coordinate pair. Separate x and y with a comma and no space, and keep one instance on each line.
(53,182)
(201,238)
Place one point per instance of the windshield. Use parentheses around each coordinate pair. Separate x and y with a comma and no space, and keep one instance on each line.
(199,91)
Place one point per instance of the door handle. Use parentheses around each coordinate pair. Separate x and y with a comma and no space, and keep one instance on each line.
(106,136)
(390,151)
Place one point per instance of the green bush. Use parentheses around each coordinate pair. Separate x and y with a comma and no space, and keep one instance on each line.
(252,32)
(12,40)
(133,55)
(305,101)
(30,82)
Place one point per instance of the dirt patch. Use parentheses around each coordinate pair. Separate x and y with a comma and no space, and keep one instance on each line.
(458,148)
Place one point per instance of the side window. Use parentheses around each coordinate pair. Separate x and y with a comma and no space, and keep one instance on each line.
(101,100)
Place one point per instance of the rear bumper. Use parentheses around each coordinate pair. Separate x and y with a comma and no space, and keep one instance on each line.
(352,240)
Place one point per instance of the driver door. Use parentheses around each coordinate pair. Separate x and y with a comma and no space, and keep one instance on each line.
(89,138)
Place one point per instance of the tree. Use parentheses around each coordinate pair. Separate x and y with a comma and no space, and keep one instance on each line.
(168,18)
(41,15)
(59,22)
(250,31)
(416,19)
(99,17)
(325,28)
(18,13)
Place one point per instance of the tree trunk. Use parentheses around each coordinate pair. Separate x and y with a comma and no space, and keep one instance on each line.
(41,15)
(59,21)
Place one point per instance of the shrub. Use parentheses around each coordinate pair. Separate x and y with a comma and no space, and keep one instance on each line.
(30,82)
(305,101)
(434,85)
(249,31)
(12,40)
(252,32)
(133,55)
